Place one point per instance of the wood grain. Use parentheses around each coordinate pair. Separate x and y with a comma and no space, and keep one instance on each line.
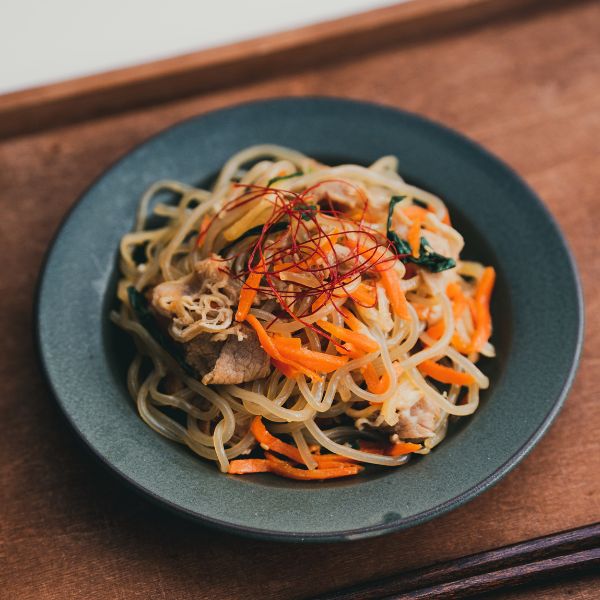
(169,79)
(517,564)
(528,89)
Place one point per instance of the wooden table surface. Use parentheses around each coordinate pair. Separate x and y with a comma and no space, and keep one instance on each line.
(529,89)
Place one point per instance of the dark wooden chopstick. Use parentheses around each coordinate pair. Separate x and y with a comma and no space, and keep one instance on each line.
(544,557)
(509,577)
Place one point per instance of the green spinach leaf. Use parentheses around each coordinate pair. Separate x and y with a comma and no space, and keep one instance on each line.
(428,259)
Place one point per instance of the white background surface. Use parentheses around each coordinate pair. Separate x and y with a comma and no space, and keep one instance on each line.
(43,41)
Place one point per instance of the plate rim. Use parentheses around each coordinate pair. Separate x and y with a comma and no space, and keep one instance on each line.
(358,533)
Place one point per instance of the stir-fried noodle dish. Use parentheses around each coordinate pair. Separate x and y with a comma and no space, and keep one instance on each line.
(301,319)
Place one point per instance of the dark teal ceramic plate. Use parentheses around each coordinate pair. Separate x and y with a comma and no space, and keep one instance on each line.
(537,311)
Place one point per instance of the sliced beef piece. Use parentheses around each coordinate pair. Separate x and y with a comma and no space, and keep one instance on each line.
(202,353)
(228,362)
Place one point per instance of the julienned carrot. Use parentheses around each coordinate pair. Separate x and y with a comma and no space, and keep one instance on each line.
(247,295)
(414,212)
(269,442)
(351,351)
(269,347)
(248,465)
(414,236)
(289,342)
(384,383)
(320,301)
(400,448)
(391,284)
(396,449)
(263,337)
(309,359)
(374,384)
(320,249)
(325,460)
(358,340)
(436,330)
(352,322)
(364,295)
(459,301)
(483,319)
(286,369)
(371,378)
(445,374)
(459,304)
(333,471)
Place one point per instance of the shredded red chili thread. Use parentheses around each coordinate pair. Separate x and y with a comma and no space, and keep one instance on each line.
(316,255)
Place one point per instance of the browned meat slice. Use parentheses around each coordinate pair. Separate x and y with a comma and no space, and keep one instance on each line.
(230,362)
(202,353)
(419,421)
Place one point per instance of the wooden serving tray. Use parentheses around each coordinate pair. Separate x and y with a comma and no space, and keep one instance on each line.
(525,85)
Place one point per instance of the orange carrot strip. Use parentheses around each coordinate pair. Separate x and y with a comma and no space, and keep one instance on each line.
(384,383)
(350,350)
(321,299)
(269,442)
(247,295)
(459,304)
(415,212)
(391,284)
(371,378)
(248,465)
(464,347)
(358,340)
(364,294)
(374,384)
(269,347)
(326,460)
(394,450)
(320,249)
(317,361)
(483,319)
(445,374)
(286,369)
(288,342)
(453,290)
(414,236)
(352,322)
(280,467)
(436,330)
(263,337)
(403,448)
